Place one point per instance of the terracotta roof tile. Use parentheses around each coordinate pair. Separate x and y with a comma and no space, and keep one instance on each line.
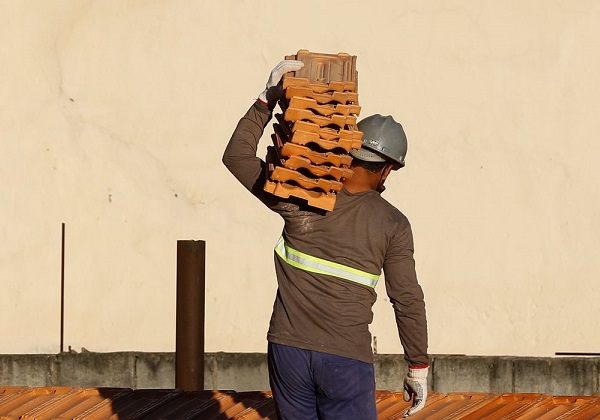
(343,97)
(43,403)
(318,124)
(326,68)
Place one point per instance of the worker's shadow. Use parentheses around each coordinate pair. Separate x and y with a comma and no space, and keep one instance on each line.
(120,403)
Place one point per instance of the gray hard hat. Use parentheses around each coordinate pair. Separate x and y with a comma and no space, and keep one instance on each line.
(383,140)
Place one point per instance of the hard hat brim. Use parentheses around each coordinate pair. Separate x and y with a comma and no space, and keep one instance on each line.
(367,155)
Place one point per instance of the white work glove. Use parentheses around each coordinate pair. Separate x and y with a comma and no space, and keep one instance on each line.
(274,91)
(415,387)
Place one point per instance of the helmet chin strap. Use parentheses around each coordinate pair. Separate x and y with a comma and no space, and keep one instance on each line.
(380,187)
(382,177)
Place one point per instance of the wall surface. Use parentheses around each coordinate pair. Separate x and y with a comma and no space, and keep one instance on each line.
(114,115)
(249,372)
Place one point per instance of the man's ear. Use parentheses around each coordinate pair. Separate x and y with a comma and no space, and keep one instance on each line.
(382,176)
(386,171)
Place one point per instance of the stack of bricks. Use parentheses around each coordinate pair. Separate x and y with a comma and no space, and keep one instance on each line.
(317,130)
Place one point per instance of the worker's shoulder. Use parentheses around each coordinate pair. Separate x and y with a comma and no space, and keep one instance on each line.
(396,216)
(382,210)
(387,207)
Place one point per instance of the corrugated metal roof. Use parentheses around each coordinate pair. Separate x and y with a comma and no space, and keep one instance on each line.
(25,403)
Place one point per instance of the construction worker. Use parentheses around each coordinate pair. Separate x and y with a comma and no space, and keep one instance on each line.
(327,264)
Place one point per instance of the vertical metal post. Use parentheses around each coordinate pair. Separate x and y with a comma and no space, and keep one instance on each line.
(189,347)
(62,290)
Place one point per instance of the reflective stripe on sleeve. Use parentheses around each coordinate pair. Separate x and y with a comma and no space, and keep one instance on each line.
(307,262)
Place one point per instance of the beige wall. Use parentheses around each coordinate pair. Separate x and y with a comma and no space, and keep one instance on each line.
(114,115)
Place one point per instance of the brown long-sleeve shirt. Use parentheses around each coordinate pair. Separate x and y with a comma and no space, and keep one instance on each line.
(318,311)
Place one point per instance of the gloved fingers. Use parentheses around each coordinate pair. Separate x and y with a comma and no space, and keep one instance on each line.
(417,406)
(289,65)
(282,68)
(406,396)
(409,390)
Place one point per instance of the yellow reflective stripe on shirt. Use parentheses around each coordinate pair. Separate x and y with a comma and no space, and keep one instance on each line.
(307,262)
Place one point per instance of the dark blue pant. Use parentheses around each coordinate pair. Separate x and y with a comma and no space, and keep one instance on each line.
(308,385)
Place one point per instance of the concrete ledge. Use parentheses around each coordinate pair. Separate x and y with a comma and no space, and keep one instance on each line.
(248,372)
(569,376)
(236,371)
(154,370)
(95,369)
(28,370)
(390,370)
(472,374)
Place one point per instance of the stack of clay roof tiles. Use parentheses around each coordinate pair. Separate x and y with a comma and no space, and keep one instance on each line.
(316,131)
(46,403)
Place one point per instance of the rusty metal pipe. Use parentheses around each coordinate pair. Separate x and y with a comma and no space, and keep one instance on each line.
(62,289)
(189,346)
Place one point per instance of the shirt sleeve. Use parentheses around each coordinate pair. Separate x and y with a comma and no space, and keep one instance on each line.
(241,160)
(240,154)
(406,296)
